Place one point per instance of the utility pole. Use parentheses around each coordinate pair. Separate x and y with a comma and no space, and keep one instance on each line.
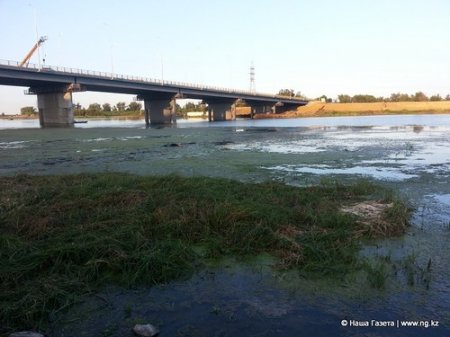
(252,78)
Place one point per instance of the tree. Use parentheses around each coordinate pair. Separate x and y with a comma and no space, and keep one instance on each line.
(286,92)
(94,109)
(135,106)
(106,107)
(78,110)
(399,97)
(364,99)
(28,110)
(436,98)
(344,98)
(447,98)
(121,106)
(190,107)
(298,94)
(420,97)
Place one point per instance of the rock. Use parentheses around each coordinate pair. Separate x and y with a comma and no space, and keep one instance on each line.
(173,145)
(146,330)
(26,334)
(224,142)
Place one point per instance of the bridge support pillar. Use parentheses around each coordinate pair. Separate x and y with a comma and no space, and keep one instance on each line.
(221,110)
(160,111)
(55,109)
(261,109)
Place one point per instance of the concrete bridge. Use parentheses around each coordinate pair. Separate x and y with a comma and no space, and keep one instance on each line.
(54,87)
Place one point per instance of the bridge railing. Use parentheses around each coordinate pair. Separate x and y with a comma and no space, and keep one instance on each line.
(114,76)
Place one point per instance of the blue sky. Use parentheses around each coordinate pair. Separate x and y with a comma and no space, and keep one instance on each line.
(316,47)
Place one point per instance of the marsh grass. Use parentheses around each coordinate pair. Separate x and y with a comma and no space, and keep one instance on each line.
(377,273)
(64,236)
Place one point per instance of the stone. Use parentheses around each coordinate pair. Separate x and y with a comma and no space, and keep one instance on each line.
(145,330)
(26,334)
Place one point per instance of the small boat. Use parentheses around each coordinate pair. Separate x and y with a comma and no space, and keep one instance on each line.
(80,122)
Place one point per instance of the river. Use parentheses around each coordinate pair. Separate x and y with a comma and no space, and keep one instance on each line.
(409,153)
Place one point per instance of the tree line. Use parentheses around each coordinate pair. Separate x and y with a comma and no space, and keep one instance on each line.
(135,108)
(365,98)
(188,107)
(395,97)
(95,109)
(106,109)
(121,108)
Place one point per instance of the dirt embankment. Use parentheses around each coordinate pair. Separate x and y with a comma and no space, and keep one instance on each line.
(317,108)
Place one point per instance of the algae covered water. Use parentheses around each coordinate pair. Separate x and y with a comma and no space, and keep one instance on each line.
(234,298)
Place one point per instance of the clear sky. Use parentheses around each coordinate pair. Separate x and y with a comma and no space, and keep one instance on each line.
(316,47)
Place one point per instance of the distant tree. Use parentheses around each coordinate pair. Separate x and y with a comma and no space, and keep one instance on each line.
(298,94)
(180,111)
(286,92)
(436,98)
(106,107)
(78,110)
(135,106)
(28,110)
(399,97)
(94,109)
(121,106)
(364,99)
(190,107)
(395,97)
(447,98)
(344,98)
(420,97)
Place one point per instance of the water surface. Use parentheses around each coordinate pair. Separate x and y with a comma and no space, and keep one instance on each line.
(408,153)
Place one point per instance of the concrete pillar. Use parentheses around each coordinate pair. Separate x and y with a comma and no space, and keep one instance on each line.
(278,107)
(55,109)
(161,111)
(221,111)
(265,108)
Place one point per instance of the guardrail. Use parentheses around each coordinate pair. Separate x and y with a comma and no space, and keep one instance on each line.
(113,76)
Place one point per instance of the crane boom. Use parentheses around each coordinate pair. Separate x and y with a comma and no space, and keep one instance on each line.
(31,52)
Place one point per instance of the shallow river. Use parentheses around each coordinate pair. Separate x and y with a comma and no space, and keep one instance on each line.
(409,153)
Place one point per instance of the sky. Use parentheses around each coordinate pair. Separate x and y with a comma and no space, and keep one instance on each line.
(316,47)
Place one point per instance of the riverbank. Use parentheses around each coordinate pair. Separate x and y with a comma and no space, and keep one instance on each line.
(321,109)
(64,236)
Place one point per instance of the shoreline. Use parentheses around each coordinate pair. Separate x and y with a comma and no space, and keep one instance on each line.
(288,114)
(295,114)
(312,109)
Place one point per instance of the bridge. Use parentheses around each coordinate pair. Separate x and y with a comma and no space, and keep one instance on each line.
(54,87)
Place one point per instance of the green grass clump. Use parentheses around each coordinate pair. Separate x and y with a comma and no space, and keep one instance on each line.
(63,236)
(377,274)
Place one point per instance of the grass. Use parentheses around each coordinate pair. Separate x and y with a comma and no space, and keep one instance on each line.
(63,236)
(377,274)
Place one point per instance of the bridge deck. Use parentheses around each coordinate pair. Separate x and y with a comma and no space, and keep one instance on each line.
(40,77)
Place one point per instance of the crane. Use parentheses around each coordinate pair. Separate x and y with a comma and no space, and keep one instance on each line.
(31,52)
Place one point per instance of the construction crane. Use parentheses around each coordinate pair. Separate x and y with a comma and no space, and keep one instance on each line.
(31,52)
